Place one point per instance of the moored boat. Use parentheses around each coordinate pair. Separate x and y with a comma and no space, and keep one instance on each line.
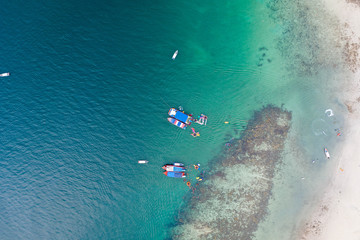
(4,74)
(175,174)
(143,161)
(175,54)
(174,168)
(327,154)
(180,116)
(177,123)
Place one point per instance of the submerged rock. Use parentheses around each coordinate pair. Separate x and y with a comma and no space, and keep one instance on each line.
(234,198)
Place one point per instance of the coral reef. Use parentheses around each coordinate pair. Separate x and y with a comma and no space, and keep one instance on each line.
(233,199)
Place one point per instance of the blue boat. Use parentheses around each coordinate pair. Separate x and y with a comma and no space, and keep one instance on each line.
(175,174)
(180,116)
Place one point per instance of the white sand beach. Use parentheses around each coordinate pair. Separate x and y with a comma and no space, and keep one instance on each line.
(336,214)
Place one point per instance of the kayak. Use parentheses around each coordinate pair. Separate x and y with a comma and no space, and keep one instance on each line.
(175,54)
(327,154)
(175,174)
(173,168)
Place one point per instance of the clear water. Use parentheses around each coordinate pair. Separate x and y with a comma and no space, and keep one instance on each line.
(90,88)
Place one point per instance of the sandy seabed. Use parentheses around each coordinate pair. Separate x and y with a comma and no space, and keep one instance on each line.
(336,212)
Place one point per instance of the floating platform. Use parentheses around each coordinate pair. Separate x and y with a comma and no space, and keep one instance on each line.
(202,120)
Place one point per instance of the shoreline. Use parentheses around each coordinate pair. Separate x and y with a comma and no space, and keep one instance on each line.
(335,213)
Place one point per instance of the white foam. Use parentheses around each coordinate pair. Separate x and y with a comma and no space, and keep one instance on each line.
(329,112)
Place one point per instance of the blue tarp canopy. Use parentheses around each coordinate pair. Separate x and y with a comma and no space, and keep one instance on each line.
(174,174)
(178,169)
(181,116)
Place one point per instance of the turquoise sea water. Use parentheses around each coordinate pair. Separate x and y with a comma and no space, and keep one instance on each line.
(90,88)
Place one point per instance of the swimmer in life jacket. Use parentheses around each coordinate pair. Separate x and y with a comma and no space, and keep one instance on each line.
(197,167)
(194,134)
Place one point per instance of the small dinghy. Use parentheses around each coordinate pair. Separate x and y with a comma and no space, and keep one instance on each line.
(175,174)
(175,54)
(4,74)
(176,167)
(143,161)
(327,154)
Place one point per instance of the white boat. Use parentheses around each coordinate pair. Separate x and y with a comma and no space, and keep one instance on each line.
(4,74)
(327,154)
(143,161)
(174,168)
(175,54)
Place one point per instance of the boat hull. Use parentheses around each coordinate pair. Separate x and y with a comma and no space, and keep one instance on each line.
(327,154)
(172,168)
(177,123)
(4,74)
(175,54)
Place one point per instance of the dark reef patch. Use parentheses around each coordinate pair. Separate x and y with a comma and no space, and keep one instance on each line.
(233,199)
(262,57)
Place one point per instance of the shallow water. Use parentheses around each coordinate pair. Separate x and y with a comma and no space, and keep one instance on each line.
(90,88)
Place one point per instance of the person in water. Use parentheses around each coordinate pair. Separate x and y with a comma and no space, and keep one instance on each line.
(195,134)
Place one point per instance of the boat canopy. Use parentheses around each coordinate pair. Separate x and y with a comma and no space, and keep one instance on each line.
(175,174)
(182,117)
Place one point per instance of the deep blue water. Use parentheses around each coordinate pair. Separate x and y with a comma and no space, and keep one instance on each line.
(90,88)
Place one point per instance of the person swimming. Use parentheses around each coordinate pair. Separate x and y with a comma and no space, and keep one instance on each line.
(197,134)
(194,133)
(197,166)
